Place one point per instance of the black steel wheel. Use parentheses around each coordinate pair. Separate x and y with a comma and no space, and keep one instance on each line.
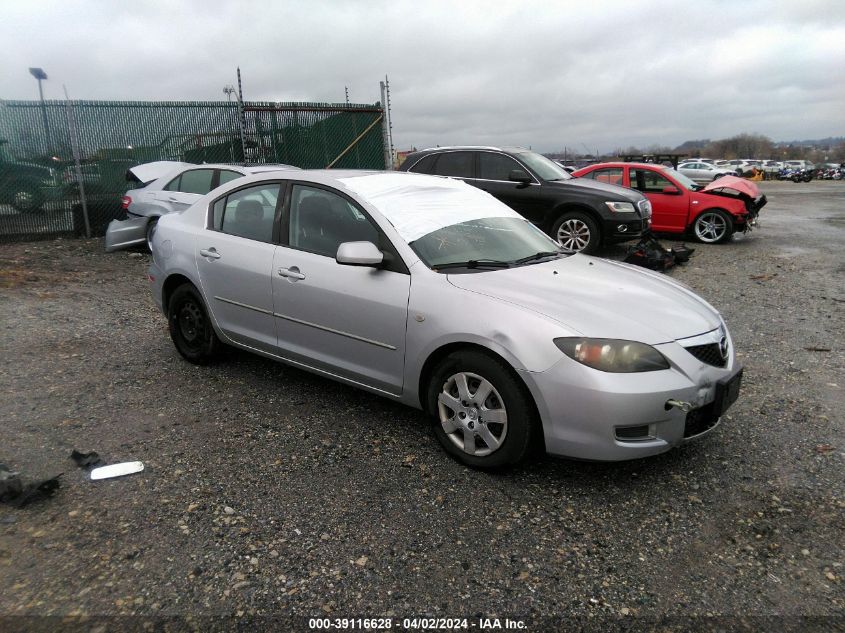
(190,326)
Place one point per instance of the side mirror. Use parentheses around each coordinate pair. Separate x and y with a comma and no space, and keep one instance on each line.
(518,175)
(670,191)
(359,254)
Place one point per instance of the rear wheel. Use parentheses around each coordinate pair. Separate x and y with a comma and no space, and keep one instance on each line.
(577,232)
(190,326)
(713,226)
(484,417)
(151,227)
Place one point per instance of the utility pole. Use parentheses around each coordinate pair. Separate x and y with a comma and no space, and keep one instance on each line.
(346,90)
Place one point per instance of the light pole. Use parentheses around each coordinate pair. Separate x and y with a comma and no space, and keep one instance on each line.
(39,74)
(229,90)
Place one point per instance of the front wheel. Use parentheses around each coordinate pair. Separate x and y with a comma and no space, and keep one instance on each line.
(27,199)
(484,417)
(190,326)
(713,226)
(577,232)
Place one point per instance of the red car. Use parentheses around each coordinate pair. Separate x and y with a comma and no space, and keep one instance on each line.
(712,213)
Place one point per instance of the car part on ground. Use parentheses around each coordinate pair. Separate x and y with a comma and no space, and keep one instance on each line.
(651,254)
(460,313)
(579,214)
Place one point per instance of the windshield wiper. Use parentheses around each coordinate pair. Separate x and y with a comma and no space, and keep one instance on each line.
(535,256)
(474,263)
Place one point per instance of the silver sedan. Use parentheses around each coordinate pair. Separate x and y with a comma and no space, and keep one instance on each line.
(432,293)
(703,172)
(166,187)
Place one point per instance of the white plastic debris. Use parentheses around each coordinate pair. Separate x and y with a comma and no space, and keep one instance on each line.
(117,470)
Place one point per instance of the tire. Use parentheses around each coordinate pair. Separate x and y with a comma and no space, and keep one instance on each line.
(190,326)
(577,232)
(796,178)
(26,199)
(713,226)
(493,444)
(151,227)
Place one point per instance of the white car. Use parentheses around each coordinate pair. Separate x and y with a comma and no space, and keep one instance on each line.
(168,187)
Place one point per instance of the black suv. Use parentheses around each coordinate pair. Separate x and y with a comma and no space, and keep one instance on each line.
(579,213)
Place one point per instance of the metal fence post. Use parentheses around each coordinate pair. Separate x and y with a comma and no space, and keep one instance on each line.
(384,127)
(74,147)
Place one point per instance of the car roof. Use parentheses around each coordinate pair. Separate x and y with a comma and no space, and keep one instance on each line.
(620,163)
(512,149)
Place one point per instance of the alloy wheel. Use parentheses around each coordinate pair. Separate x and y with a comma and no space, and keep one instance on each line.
(472,414)
(710,227)
(573,235)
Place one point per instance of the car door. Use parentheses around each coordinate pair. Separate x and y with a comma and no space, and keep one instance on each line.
(234,256)
(670,210)
(346,320)
(492,175)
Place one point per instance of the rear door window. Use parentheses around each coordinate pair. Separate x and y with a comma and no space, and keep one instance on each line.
(196,181)
(249,212)
(455,164)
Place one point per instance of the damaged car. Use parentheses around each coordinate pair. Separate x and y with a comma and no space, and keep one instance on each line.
(712,213)
(432,293)
(166,187)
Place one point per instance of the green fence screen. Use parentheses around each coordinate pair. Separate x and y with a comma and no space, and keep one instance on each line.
(39,188)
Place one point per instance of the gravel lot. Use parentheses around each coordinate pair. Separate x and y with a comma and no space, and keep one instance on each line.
(271,491)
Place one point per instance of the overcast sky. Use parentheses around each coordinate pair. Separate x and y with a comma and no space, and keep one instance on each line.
(547,74)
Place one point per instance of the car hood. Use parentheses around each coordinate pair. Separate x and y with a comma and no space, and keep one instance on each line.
(599,298)
(147,172)
(733,182)
(613,192)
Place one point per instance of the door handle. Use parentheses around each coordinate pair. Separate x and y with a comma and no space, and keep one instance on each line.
(172,199)
(211,253)
(291,273)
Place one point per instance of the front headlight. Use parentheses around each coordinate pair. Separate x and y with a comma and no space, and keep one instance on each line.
(645,208)
(611,355)
(620,207)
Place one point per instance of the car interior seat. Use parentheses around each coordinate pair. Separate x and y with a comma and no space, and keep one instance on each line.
(249,221)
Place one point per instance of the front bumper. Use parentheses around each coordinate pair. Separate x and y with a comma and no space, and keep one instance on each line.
(125,233)
(617,230)
(594,415)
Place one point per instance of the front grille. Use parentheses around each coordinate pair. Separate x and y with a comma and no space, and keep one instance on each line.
(700,420)
(709,354)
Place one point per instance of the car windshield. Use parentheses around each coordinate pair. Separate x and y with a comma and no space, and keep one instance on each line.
(688,183)
(544,167)
(495,242)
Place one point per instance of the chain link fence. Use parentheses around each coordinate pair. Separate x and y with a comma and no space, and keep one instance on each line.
(40,192)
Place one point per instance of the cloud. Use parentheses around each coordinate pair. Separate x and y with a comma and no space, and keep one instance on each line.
(534,73)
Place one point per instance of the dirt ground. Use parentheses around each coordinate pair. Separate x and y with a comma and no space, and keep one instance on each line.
(269,492)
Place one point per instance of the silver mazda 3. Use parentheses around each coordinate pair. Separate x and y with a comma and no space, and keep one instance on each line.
(431,292)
